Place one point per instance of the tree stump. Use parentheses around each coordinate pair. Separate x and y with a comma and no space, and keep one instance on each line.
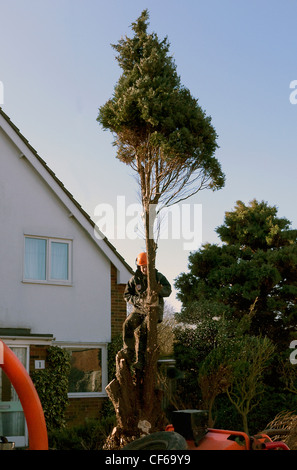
(136,399)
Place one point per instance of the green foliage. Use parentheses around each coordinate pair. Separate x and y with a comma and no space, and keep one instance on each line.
(192,345)
(252,357)
(89,436)
(239,315)
(255,226)
(257,263)
(226,360)
(156,122)
(51,384)
(271,403)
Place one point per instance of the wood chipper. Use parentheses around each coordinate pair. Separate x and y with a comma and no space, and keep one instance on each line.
(189,431)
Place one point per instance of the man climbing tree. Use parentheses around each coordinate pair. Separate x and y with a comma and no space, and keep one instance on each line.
(161,132)
(135,326)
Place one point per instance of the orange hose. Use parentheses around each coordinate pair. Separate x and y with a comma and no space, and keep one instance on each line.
(24,387)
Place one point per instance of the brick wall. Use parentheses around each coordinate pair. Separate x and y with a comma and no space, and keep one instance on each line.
(81,408)
(37,352)
(118,304)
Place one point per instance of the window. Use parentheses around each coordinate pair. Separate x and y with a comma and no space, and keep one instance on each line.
(12,419)
(47,260)
(88,374)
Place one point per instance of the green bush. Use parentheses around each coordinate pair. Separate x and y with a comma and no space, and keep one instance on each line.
(51,384)
(90,436)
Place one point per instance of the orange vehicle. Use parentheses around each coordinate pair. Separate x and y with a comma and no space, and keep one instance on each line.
(221,439)
(192,425)
(189,431)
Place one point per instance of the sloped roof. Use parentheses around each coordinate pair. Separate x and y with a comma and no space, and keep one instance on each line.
(67,198)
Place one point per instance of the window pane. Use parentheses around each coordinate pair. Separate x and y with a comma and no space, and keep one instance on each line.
(35,258)
(86,371)
(13,423)
(59,261)
(12,420)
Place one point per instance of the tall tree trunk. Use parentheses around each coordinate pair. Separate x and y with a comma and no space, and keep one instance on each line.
(151,395)
(134,394)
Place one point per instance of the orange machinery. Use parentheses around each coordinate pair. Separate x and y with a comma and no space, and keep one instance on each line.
(192,425)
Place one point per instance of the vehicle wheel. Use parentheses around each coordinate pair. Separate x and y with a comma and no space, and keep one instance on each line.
(162,440)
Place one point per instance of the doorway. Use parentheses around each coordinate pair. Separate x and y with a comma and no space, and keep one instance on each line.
(12,419)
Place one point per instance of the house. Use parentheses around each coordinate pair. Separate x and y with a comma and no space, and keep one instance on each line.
(59,284)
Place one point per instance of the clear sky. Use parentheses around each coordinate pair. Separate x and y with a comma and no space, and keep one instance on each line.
(238,57)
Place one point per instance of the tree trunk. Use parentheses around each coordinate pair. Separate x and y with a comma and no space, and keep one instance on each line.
(134,394)
(150,371)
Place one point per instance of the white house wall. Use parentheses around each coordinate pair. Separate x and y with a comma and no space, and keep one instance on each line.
(28,206)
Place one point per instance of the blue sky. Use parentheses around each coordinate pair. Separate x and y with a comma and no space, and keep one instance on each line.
(237,57)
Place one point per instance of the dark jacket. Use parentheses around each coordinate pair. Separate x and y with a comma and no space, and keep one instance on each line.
(136,288)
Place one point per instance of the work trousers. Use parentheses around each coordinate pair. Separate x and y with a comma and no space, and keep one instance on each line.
(135,335)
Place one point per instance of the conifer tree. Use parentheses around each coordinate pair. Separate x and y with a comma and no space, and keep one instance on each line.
(255,265)
(162,133)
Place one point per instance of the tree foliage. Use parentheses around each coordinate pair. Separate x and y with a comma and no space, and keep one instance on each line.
(240,309)
(162,133)
(246,386)
(159,128)
(256,264)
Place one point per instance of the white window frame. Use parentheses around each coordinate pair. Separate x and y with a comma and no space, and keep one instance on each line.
(48,279)
(20,441)
(103,347)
